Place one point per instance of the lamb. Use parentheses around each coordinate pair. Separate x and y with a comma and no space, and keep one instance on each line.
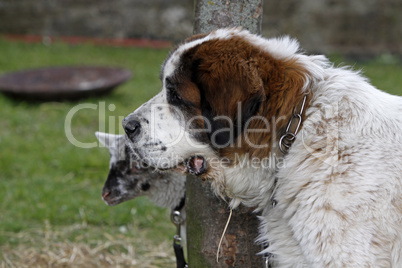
(129,178)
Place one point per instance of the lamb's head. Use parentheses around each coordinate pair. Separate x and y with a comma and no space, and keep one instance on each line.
(129,178)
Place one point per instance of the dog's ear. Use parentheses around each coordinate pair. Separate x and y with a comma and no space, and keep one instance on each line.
(228,91)
(249,108)
(251,82)
(107,139)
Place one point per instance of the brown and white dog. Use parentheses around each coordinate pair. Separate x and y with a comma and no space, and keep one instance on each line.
(332,196)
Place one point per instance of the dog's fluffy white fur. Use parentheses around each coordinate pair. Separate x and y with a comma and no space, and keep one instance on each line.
(339,195)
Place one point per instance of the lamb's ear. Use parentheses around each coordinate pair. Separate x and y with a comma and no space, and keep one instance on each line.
(107,139)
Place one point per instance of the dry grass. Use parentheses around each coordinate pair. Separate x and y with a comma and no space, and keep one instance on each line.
(49,247)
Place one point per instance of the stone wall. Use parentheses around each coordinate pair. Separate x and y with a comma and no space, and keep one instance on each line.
(360,27)
(342,26)
(165,19)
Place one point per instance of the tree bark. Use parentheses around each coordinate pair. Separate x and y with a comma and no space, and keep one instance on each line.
(211,15)
(207,214)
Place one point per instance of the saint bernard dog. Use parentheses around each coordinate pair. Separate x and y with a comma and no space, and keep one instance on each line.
(315,148)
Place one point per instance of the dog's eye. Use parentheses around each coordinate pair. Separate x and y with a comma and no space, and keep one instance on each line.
(172,95)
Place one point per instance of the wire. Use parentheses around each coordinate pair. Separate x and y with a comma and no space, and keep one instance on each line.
(223,234)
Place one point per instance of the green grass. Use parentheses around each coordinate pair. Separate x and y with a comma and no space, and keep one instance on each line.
(43,177)
(46,181)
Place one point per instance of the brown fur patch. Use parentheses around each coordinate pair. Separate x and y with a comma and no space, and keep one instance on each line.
(234,71)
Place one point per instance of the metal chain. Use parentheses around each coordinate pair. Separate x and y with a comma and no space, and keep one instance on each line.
(178,220)
(289,137)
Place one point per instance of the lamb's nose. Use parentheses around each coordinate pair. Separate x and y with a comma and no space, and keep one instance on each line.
(132,128)
(105,194)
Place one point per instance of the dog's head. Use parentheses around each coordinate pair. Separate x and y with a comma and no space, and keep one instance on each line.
(129,178)
(225,96)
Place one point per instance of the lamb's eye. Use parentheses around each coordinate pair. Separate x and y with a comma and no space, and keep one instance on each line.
(145,186)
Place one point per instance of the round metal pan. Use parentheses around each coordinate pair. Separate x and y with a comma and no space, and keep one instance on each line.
(62,83)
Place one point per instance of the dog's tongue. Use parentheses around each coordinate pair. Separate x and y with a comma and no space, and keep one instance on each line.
(196,165)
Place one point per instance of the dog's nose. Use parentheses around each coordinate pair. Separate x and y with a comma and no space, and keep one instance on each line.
(132,128)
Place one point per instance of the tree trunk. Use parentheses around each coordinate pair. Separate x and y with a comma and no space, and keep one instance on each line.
(211,15)
(207,214)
